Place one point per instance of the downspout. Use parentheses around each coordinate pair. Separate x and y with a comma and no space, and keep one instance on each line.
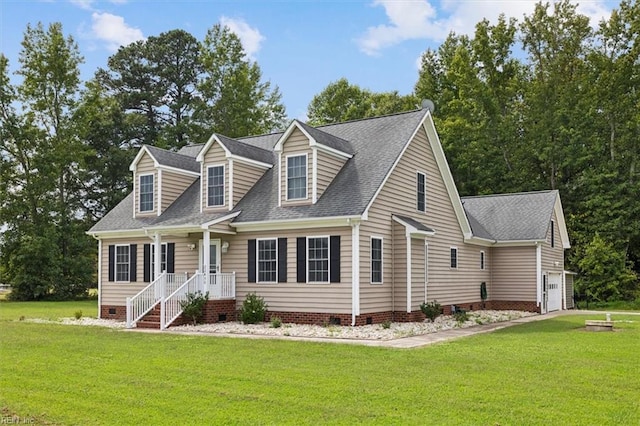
(355,270)
(99,276)
(393,269)
(539,274)
(408,236)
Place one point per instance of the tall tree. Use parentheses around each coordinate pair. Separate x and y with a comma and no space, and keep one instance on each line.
(46,250)
(342,101)
(236,100)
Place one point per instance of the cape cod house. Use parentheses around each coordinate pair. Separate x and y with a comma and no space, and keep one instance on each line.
(356,222)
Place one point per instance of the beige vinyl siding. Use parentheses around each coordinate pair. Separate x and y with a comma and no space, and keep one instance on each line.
(215,156)
(296,144)
(244,177)
(417,273)
(569,290)
(552,255)
(379,301)
(398,196)
(173,185)
(146,167)
(328,168)
(116,293)
(293,296)
(513,274)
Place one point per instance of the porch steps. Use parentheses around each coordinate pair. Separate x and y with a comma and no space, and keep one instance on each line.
(151,319)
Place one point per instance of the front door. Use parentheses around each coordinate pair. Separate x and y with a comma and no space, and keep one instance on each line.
(214,257)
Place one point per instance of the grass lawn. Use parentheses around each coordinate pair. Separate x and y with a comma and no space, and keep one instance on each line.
(547,372)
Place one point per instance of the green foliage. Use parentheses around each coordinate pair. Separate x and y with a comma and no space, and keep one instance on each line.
(605,274)
(386,324)
(193,306)
(253,309)
(77,314)
(276,322)
(431,310)
(461,316)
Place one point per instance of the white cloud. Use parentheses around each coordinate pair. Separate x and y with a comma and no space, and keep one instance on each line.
(250,37)
(421,19)
(113,30)
(82,4)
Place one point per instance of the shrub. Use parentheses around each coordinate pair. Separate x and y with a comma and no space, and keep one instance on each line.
(78,314)
(386,324)
(253,309)
(193,306)
(432,310)
(276,322)
(461,316)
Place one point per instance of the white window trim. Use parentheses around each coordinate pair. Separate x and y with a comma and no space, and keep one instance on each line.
(286,193)
(115,263)
(483,260)
(457,257)
(418,172)
(153,184)
(375,237)
(328,259)
(224,182)
(258,260)
(153,255)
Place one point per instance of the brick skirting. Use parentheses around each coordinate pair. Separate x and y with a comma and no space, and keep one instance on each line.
(515,305)
(113,312)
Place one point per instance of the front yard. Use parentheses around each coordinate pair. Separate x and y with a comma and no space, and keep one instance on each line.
(547,372)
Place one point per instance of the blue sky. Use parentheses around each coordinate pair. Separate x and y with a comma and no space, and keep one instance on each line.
(301,46)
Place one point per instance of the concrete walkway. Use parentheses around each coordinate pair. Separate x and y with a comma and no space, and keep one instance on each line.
(405,342)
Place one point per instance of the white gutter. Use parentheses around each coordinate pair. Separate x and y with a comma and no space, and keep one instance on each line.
(355,270)
(538,274)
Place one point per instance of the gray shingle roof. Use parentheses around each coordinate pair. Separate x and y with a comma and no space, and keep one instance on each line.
(411,221)
(173,159)
(327,139)
(247,151)
(191,150)
(511,217)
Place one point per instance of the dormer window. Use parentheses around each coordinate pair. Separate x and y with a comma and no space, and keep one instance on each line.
(146,193)
(215,186)
(297,177)
(421,204)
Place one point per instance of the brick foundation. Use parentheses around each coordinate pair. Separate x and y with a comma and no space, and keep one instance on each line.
(515,305)
(119,312)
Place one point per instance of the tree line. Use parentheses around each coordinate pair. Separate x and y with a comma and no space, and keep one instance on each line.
(543,102)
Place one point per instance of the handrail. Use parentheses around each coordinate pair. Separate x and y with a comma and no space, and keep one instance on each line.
(222,285)
(144,301)
(171,306)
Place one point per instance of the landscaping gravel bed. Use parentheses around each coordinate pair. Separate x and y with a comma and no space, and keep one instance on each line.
(395,330)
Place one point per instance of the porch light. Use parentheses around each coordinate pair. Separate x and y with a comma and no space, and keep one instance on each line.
(191,246)
(225,246)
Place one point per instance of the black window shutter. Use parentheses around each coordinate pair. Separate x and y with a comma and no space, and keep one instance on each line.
(334,259)
(146,256)
(112,263)
(133,250)
(282,260)
(301,259)
(171,258)
(251,264)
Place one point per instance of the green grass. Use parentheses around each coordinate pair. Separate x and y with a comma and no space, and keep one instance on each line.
(46,310)
(547,372)
(620,305)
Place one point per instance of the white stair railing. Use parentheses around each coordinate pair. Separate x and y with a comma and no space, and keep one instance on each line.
(222,286)
(171,306)
(140,304)
(144,301)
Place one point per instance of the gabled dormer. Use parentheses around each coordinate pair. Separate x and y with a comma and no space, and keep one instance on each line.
(228,169)
(308,160)
(159,178)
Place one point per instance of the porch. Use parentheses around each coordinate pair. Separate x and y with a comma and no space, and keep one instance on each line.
(160,302)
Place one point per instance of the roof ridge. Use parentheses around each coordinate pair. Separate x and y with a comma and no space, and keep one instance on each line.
(367,118)
(167,151)
(246,144)
(509,194)
(320,130)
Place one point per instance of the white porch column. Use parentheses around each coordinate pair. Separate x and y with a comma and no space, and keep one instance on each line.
(206,258)
(355,271)
(157,264)
(408,272)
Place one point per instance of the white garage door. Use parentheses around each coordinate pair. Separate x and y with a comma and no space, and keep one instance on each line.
(554,292)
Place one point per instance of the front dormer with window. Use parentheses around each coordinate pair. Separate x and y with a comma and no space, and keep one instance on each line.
(229,169)
(308,161)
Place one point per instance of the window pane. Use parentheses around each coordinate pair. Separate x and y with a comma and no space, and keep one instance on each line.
(376,260)
(215,186)
(122,263)
(421,204)
(297,177)
(146,193)
(267,261)
(454,258)
(318,259)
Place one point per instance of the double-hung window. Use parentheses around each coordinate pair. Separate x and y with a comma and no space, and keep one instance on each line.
(376,260)
(122,263)
(267,260)
(318,259)
(146,193)
(454,258)
(297,177)
(215,186)
(421,202)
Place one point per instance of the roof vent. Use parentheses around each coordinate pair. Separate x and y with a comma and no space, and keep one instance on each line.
(428,105)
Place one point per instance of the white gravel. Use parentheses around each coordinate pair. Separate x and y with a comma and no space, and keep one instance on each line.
(365,332)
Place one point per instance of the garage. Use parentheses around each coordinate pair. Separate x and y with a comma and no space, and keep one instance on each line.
(554,292)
